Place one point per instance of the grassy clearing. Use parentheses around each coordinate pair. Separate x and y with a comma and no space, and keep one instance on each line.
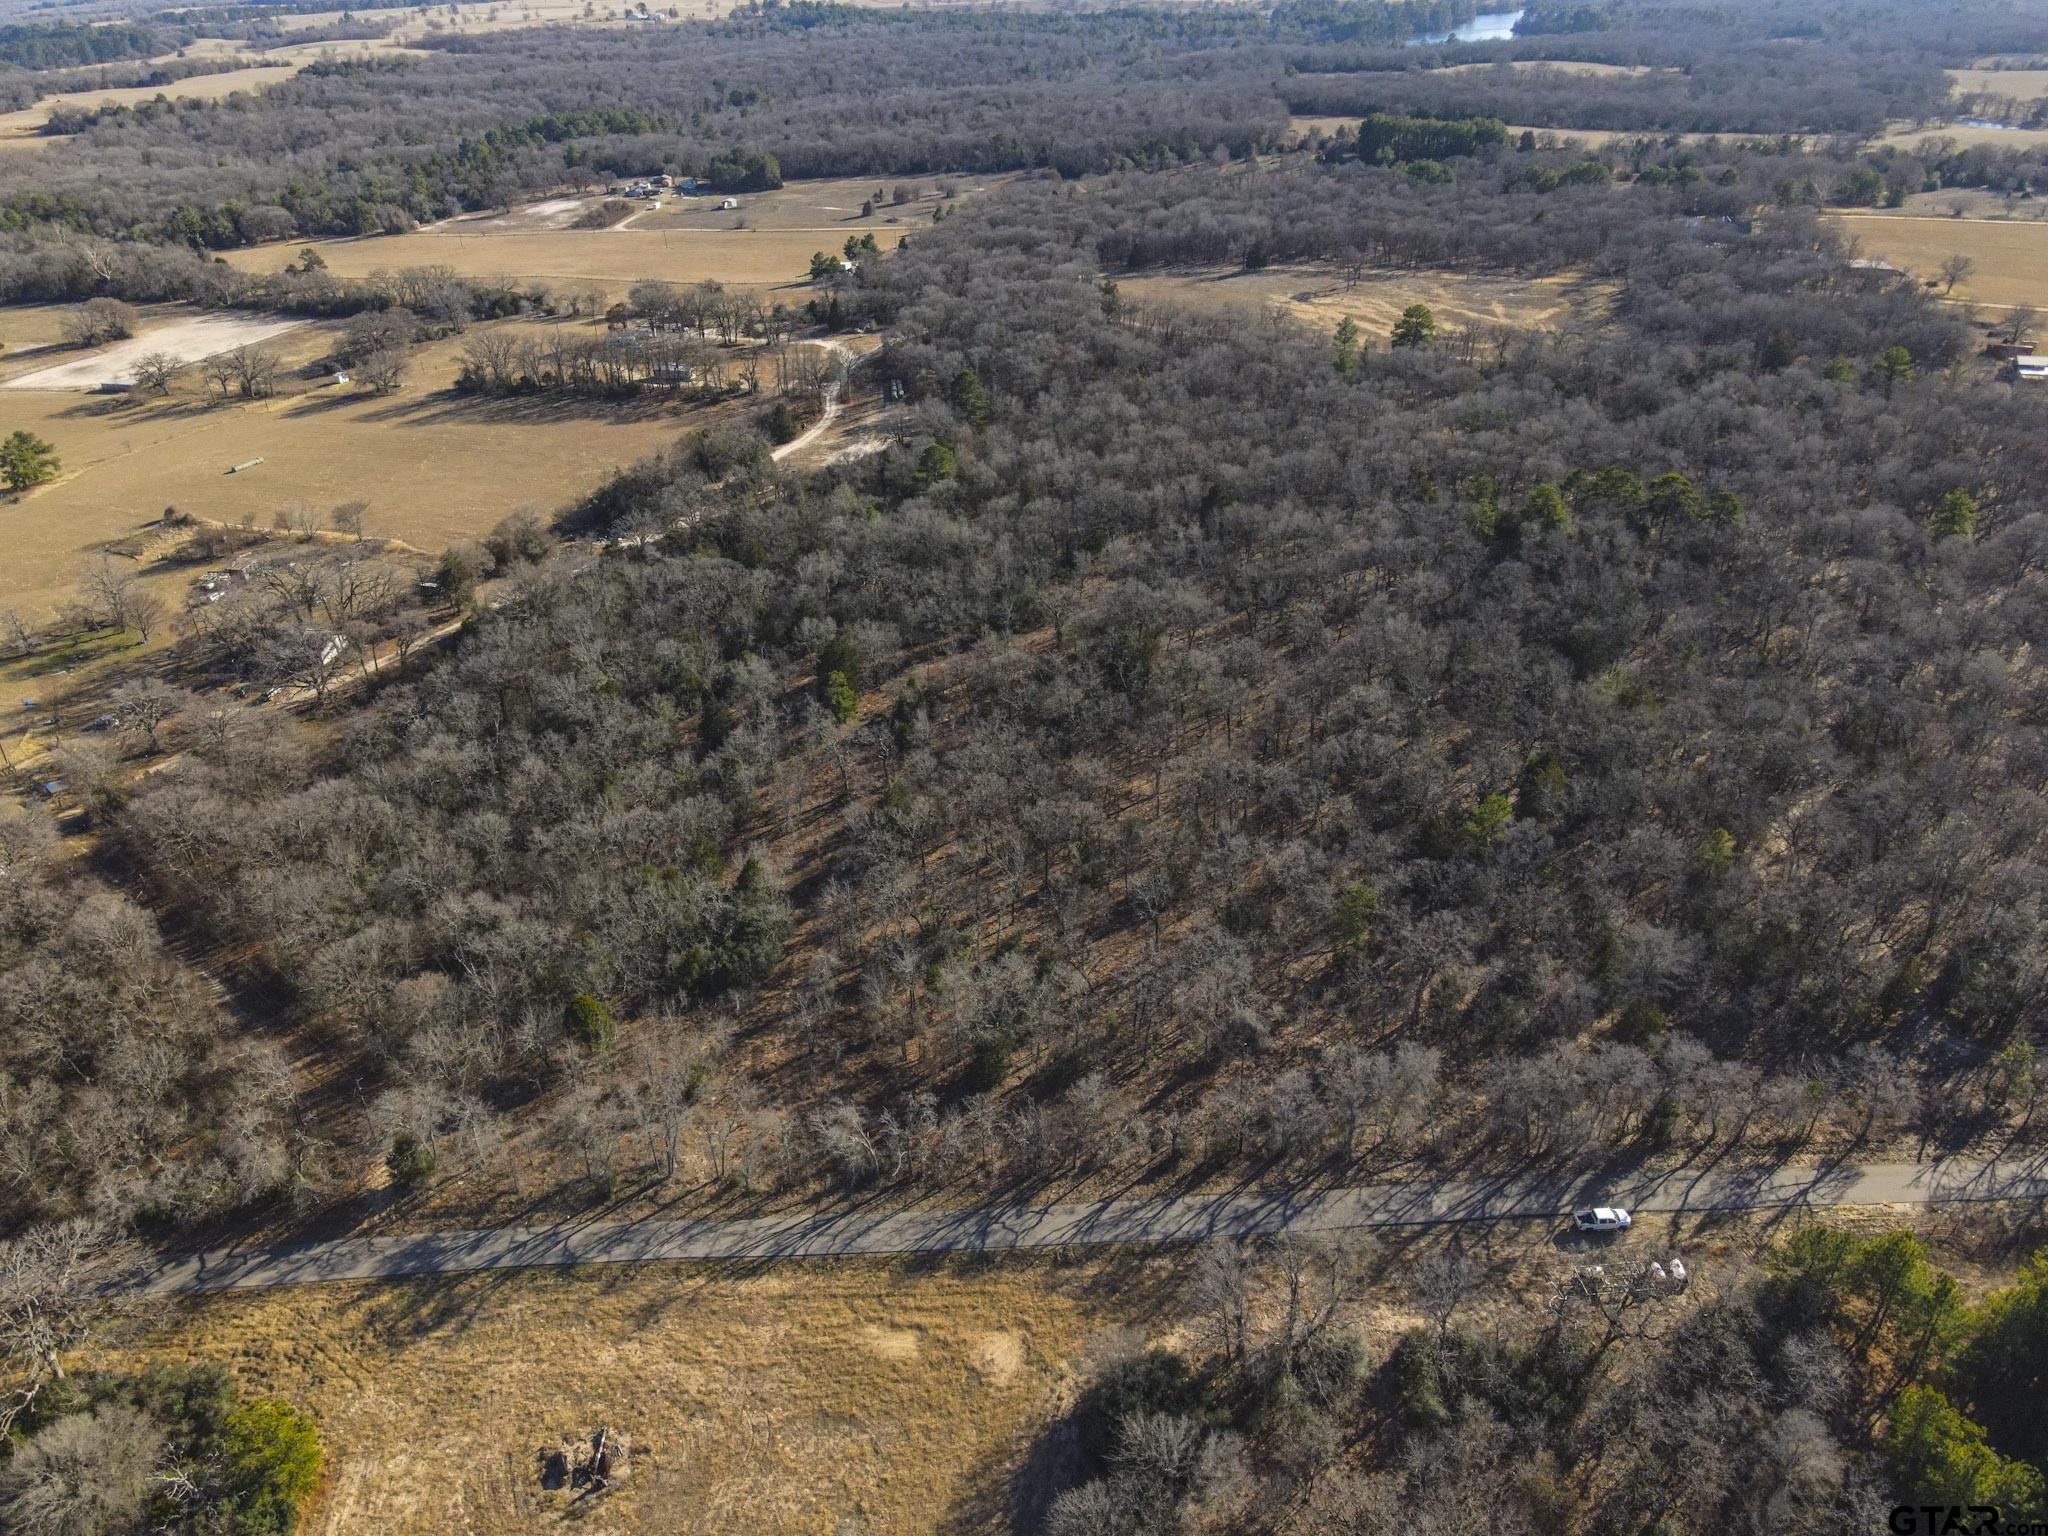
(1591,138)
(1972,203)
(216,87)
(2018,84)
(2011,258)
(613,259)
(785,1401)
(434,467)
(1561,66)
(1320,296)
(1913,136)
(27,330)
(823,208)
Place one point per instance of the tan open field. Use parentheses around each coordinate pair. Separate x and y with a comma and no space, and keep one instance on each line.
(216,87)
(2019,84)
(1911,136)
(1593,138)
(1563,67)
(818,1399)
(2011,257)
(826,209)
(434,467)
(1971,203)
(614,259)
(27,328)
(1320,296)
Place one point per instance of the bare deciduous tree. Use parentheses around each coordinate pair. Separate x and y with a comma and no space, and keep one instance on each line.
(51,1300)
(158,371)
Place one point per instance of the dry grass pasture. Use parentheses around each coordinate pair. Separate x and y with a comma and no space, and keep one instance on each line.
(28,122)
(1562,66)
(1590,138)
(613,259)
(1321,296)
(823,208)
(900,1399)
(27,330)
(2018,84)
(435,467)
(2011,257)
(1972,203)
(1913,136)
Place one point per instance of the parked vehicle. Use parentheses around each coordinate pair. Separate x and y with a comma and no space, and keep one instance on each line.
(1602,1218)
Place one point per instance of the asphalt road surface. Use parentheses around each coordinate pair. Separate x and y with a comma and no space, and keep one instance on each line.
(1177,1219)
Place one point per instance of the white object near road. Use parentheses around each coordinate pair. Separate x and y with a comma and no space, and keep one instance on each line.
(1602,1218)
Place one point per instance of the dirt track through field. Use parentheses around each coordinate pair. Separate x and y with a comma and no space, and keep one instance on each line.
(1175,1219)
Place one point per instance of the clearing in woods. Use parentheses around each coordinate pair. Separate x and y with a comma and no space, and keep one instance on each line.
(767,242)
(28,122)
(1912,136)
(2011,257)
(1561,66)
(1561,138)
(1321,295)
(2014,84)
(435,467)
(612,259)
(1971,203)
(781,1401)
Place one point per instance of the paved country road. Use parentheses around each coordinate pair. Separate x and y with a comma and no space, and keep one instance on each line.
(1176,1219)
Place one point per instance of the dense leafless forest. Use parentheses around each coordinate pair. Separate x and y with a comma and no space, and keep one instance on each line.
(830,92)
(1198,746)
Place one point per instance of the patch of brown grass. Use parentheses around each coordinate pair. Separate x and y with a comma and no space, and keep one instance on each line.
(1914,136)
(613,259)
(785,1401)
(2018,84)
(1320,296)
(434,466)
(2011,256)
(215,87)
(1562,66)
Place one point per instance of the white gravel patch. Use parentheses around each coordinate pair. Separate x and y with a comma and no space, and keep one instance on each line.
(189,340)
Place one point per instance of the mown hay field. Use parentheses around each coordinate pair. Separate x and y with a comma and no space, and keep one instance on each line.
(2011,257)
(613,259)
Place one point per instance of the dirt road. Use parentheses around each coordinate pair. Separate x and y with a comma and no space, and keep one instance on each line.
(1179,1219)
